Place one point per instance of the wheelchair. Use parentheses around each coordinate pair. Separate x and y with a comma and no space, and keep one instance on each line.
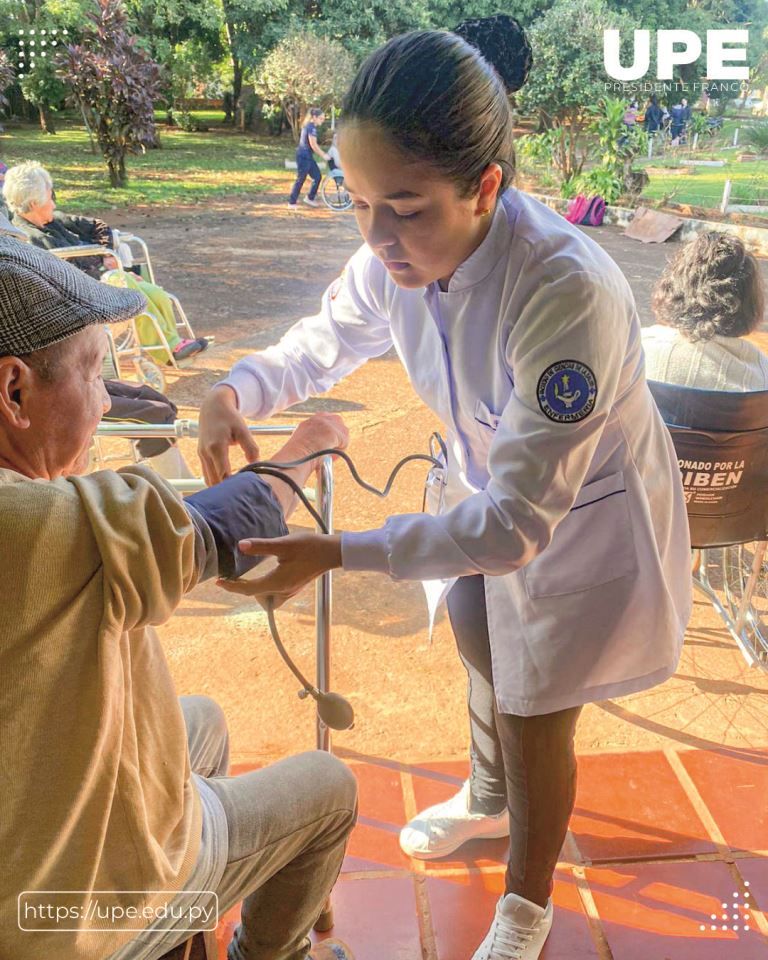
(335,195)
(721,442)
(124,340)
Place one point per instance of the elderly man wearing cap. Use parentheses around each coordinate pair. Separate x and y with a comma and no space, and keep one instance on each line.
(108,781)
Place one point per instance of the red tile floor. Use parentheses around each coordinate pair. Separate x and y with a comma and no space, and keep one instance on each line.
(667,859)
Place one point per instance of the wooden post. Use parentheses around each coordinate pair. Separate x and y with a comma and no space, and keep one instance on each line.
(736,137)
(726,197)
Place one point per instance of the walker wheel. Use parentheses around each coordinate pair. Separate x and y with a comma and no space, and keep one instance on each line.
(151,374)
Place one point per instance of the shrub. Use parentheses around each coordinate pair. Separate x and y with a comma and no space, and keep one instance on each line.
(116,84)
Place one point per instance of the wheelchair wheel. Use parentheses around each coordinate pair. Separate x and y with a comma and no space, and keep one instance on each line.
(334,193)
(738,565)
(151,374)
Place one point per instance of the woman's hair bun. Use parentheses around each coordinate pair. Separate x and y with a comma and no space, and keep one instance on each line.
(502,42)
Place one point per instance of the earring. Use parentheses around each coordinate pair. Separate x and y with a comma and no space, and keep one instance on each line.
(485,213)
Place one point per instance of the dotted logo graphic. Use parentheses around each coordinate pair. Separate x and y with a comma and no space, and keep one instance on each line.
(736,916)
(35,45)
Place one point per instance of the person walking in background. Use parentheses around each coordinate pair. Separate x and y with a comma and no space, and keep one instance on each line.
(305,159)
(653,115)
(681,117)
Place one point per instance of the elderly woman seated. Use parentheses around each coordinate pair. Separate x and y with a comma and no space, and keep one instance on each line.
(28,193)
(115,791)
(709,298)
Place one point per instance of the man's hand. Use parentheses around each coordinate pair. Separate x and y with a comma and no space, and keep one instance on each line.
(322,431)
(301,558)
(222,426)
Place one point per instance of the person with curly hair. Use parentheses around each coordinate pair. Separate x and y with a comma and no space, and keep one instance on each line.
(709,298)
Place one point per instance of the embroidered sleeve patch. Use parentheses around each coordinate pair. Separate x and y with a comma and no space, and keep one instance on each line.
(337,284)
(567,391)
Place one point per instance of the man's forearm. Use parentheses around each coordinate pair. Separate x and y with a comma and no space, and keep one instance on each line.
(294,449)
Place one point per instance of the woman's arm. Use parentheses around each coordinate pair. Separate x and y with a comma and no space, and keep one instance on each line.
(88,229)
(316,148)
(536,464)
(314,354)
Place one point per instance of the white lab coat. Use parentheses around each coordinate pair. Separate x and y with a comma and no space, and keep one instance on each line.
(579,526)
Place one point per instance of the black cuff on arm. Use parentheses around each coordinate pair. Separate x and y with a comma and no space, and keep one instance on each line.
(239,507)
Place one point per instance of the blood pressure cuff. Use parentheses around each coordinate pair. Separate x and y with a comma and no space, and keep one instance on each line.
(239,507)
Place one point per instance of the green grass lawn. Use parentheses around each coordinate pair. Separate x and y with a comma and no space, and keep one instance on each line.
(212,117)
(189,167)
(704,187)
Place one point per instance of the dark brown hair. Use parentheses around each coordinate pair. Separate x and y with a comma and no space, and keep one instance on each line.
(712,287)
(441,101)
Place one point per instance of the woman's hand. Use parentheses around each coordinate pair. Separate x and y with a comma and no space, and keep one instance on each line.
(302,557)
(222,426)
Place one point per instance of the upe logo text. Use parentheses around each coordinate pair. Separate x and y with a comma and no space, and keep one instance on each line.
(675,47)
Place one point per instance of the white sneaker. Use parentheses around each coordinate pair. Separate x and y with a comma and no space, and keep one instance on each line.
(310,203)
(439,830)
(292,206)
(518,932)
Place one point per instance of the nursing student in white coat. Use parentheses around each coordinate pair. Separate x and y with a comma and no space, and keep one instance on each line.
(564,521)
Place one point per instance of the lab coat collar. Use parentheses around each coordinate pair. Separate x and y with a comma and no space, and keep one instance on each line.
(479,264)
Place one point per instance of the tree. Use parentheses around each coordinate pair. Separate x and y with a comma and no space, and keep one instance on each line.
(184,37)
(568,75)
(6,76)
(252,28)
(616,147)
(31,31)
(42,87)
(302,70)
(116,83)
(6,79)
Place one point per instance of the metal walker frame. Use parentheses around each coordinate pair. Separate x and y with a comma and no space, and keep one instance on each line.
(323,501)
(143,357)
(739,615)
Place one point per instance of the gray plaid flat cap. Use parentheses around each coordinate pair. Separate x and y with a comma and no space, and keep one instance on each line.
(44,300)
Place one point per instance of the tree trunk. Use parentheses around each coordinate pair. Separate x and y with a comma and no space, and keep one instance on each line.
(117,173)
(46,119)
(237,63)
(237,79)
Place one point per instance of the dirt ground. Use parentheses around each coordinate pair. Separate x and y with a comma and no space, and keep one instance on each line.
(245,271)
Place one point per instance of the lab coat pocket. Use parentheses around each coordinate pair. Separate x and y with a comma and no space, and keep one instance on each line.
(485,418)
(592,545)
(485,430)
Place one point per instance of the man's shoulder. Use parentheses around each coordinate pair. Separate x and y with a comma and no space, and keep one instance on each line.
(29,506)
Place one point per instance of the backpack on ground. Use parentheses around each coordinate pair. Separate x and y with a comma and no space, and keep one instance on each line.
(588,211)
